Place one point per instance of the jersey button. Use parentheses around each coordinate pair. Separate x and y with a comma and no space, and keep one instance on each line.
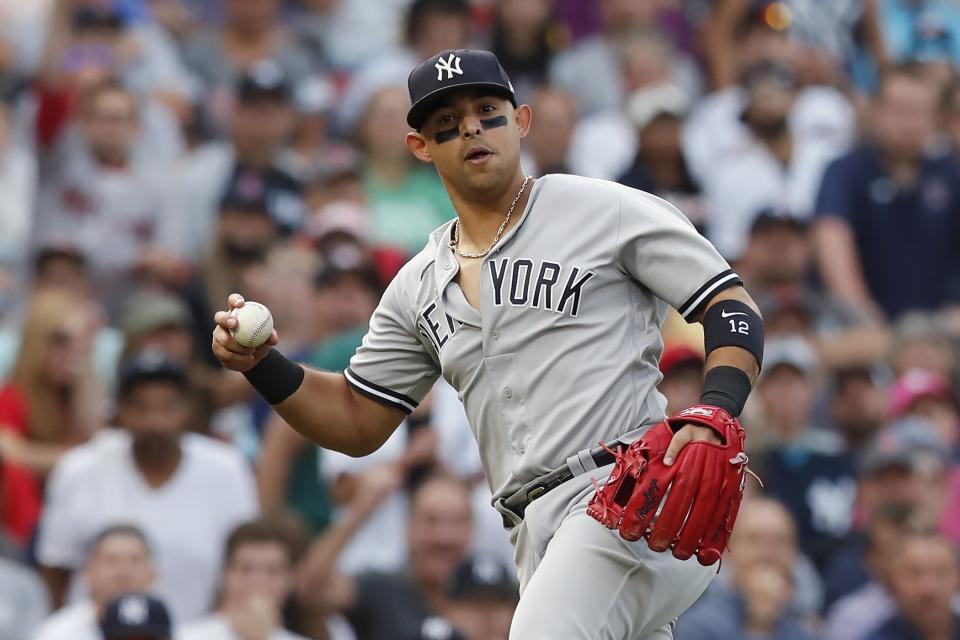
(521,449)
(447,265)
(508,393)
(495,334)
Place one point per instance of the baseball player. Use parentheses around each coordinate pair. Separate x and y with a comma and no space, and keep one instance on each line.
(541,303)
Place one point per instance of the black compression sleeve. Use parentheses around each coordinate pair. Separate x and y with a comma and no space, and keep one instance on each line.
(726,387)
(276,377)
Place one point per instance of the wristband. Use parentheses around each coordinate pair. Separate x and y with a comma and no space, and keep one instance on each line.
(731,323)
(726,387)
(276,377)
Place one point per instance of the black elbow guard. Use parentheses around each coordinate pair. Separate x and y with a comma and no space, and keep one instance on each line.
(732,323)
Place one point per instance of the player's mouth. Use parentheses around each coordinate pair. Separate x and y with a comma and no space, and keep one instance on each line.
(478,155)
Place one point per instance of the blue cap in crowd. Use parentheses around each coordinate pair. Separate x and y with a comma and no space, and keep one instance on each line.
(136,615)
(147,366)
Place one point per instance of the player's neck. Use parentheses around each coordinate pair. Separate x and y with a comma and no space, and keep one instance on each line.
(481,218)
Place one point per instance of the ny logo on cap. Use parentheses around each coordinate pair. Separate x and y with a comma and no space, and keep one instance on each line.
(451,65)
(133,611)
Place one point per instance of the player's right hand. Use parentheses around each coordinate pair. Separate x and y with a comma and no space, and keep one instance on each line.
(229,352)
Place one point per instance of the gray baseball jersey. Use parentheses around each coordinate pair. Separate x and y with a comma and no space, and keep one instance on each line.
(564,349)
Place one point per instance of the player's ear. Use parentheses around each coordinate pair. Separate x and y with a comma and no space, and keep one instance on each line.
(418,146)
(524,118)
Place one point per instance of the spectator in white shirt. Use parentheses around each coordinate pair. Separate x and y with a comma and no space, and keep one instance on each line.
(763,146)
(185,491)
(119,562)
(257,583)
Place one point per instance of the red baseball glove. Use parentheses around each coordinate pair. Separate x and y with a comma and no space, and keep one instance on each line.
(700,492)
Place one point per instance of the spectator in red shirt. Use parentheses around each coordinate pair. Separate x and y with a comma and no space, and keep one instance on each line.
(19,502)
(52,399)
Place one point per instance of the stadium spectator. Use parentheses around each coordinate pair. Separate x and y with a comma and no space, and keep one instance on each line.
(256,588)
(23,600)
(857,407)
(409,449)
(260,126)
(759,595)
(393,605)
(547,148)
(162,321)
(347,284)
(922,341)
(483,594)
(776,140)
(605,142)
(94,186)
(659,166)
(858,577)
(405,200)
(63,269)
(250,35)
(600,62)
(136,616)
(186,491)
(523,38)
(52,399)
(924,579)
(776,263)
(804,465)
(926,395)
(119,562)
(890,196)
(429,27)
(255,212)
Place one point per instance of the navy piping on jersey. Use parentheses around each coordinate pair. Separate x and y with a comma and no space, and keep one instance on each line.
(714,285)
(380,394)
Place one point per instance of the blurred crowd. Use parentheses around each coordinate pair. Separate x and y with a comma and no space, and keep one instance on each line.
(156,155)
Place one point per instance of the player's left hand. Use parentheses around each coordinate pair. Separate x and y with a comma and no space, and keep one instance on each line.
(685,435)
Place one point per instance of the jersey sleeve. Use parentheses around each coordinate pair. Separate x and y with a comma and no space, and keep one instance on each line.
(662,250)
(392,365)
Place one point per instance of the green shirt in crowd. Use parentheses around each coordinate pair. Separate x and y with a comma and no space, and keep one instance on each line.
(403,215)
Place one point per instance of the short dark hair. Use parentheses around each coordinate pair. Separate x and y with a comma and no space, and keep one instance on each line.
(911,70)
(420,9)
(283,530)
(434,477)
(45,256)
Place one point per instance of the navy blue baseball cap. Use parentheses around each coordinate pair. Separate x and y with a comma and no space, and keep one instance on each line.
(136,615)
(454,69)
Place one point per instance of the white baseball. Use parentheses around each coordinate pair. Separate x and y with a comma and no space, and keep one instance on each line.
(254,324)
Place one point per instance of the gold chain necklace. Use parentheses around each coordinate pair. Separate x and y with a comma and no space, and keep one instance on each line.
(455,243)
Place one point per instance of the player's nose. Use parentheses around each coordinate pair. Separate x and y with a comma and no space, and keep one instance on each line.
(470,127)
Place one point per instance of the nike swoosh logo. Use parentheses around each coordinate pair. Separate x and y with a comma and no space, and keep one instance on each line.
(724,314)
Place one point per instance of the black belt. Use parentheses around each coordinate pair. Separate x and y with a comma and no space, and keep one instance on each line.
(577,464)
